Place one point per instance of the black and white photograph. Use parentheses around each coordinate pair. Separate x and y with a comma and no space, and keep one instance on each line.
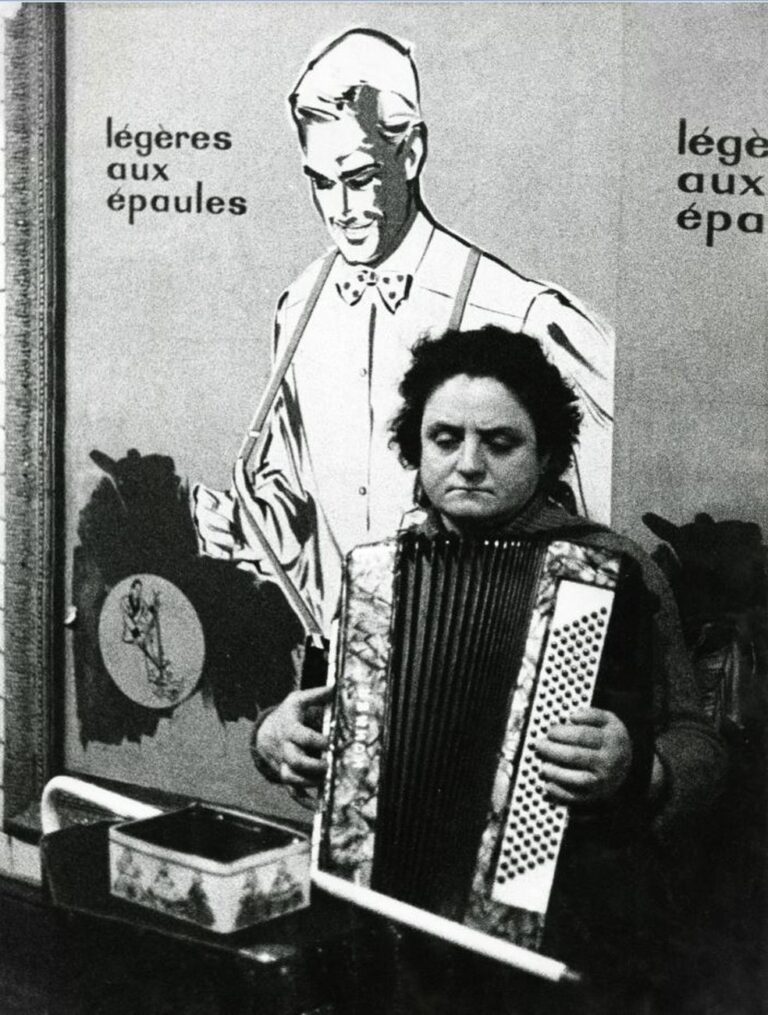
(384,455)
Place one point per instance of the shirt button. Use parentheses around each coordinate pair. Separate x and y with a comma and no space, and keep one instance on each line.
(362,490)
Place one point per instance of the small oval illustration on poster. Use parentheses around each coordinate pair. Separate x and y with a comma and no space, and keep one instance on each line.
(151,641)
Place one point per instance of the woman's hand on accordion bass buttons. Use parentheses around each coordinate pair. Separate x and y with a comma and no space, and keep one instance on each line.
(587,758)
(290,738)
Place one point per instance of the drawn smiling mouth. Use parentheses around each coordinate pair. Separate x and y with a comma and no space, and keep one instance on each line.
(352,232)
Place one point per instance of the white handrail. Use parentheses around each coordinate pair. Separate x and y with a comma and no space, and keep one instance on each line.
(65,785)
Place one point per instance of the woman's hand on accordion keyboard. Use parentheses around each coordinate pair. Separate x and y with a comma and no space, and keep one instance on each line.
(290,739)
(586,759)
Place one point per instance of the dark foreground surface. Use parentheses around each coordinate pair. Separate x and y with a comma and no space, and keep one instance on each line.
(71,950)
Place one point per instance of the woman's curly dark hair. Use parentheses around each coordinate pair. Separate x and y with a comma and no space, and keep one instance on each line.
(517,361)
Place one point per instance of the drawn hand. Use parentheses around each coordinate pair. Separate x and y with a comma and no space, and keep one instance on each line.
(218,532)
(586,759)
(251,539)
(213,515)
(289,738)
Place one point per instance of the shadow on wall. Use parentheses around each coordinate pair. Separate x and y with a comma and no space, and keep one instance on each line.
(137,523)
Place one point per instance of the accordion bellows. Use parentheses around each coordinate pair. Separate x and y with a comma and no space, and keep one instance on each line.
(454,658)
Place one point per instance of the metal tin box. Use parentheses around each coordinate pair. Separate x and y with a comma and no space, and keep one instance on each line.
(220,869)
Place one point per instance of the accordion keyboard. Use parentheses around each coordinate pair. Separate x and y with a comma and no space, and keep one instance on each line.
(535,825)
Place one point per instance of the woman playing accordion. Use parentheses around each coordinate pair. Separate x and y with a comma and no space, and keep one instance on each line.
(489,425)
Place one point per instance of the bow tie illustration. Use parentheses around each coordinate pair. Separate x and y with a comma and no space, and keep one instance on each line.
(392,286)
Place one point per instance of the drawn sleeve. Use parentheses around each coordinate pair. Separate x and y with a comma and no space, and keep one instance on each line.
(582,347)
(278,500)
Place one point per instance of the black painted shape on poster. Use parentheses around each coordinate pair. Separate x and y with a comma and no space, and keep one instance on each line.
(138,521)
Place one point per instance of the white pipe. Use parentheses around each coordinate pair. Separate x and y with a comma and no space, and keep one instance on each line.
(89,792)
(467,937)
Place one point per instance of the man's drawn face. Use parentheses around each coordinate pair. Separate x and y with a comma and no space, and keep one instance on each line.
(480,462)
(360,186)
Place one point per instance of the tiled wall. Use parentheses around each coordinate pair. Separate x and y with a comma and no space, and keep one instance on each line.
(17,859)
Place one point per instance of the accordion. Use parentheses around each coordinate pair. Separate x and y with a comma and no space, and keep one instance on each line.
(454,658)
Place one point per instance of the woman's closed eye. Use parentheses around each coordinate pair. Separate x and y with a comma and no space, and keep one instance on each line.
(503,442)
(446,440)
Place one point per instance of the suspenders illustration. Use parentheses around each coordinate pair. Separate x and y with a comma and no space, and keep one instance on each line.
(257,432)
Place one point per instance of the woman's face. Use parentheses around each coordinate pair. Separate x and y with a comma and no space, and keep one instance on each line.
(479,456)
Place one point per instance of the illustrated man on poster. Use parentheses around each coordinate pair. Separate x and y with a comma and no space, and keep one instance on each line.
(326,478)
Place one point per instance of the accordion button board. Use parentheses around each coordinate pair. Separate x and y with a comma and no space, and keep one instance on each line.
(535,825)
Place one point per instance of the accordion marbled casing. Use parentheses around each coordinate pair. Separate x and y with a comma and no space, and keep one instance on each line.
(454,657)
